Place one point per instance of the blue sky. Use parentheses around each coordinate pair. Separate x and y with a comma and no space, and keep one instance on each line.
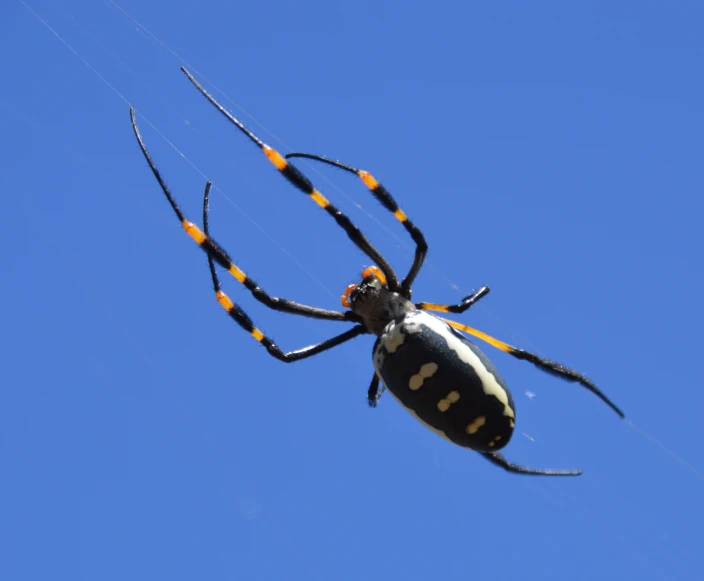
(550,150)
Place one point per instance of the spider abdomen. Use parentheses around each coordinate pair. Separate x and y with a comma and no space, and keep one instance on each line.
(445,381)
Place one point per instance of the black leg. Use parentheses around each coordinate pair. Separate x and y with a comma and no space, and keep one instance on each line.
(243,320)
(384,196)
(499,460)
(375,391)
(563,372)
(552,367)
(467,302)
(300,181)
(214,250)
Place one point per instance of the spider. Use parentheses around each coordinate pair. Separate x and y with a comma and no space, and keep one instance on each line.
(434,371)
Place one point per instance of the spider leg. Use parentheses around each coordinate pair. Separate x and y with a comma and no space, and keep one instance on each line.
(375,391)
(384,196)
(499,460)
(214,250)
(243,320)
(547,365)
(300,181)
(467,302)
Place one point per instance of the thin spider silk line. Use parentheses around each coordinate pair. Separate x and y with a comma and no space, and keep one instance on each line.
(188,160)
(401,240)
(665,449)
(176,149)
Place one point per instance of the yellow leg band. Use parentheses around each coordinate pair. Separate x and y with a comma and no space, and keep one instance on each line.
(368,180)
(237,273)
(194,232)
(275,157)
(434,307)
(319,199)
(400,215)
(225,301)
(483,336)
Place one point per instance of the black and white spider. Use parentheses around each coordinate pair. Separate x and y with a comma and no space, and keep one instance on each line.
(433,370)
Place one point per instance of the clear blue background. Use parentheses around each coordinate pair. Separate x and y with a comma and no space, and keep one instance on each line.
(551,150)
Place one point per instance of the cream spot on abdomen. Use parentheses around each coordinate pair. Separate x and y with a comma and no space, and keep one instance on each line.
(475,425)
(445,403)
(426,371)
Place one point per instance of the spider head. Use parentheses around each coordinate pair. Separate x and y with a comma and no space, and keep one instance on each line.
(372,300)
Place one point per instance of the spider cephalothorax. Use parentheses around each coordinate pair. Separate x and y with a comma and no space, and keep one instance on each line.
(374,303)
(432,369)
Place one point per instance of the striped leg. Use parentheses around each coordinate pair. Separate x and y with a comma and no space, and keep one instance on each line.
(384,196)
(300,181)
(547,365)
(241,318)
(214,250)
(460,308)
(499,460)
